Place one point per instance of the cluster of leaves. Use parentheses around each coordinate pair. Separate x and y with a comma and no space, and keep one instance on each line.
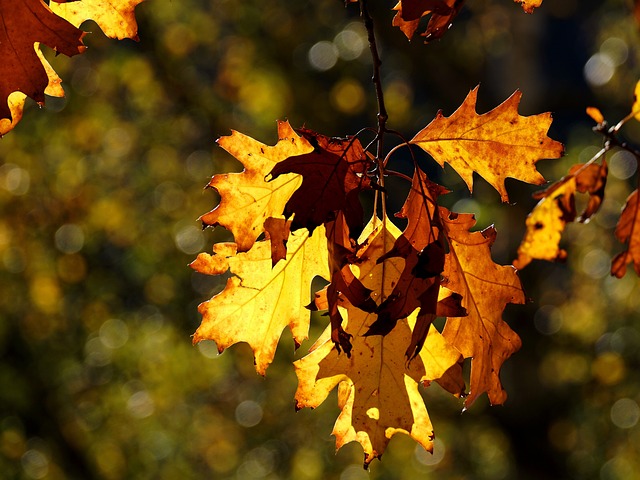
(295,215)
(26,24)
(557,205)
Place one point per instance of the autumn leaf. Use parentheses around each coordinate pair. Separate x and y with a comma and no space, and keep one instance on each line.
(442,15)
(496,145)
(23,25)
(333,175)
(247,199)
(377,388)
(116,18)
(546,222)
(548,219)
(628,231)
(422,247)
(529,5)
(260,300)
(486,288)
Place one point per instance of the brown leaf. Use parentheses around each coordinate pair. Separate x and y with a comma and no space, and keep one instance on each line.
(260,300)
(23,24)
(333,175)
(590,179)
(247,199)
(486,289)
(277,230)
(628,231)
(115,18)
(496,145)
(442,15)
(421,246)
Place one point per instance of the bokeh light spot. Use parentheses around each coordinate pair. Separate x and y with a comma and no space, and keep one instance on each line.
(248,413)
(430,459)
(623,165)
(625,413)
(599,69)
(323,56)
(35,464)
(348,96)
(69,238)
(114,333)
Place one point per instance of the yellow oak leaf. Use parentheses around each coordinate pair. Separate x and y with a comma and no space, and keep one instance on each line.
(547,221)
(116,18)
(486,288)
(377,388)
(545,225)
(247,199)
(496,145)
(259,300)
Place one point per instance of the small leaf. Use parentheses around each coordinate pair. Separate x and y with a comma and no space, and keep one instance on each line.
(595,114)
(628,231)
(496,145)
(635,109)
(546,222)
(529,5)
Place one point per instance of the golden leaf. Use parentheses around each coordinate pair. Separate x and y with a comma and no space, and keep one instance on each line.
(259,301)
(496,145)
(115,18)
(247,199)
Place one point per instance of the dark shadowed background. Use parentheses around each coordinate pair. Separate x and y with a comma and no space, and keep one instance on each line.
(100,195)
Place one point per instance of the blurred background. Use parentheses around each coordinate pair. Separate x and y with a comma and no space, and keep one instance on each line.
(100,195)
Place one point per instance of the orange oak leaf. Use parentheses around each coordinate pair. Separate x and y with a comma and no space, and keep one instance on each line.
(486,289)
(442,15)
(548,219)
(23,25)
(259,299)
(529,5)
(116,18)
(333,175)
(628,231)
(247,199)
(496,145)
(377,388)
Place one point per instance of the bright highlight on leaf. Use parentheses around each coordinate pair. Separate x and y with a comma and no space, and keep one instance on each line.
(496,145)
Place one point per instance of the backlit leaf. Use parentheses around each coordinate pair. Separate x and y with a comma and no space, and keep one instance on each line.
(260,300)
(247,199)
(628,231)
(486,288)
(496,145)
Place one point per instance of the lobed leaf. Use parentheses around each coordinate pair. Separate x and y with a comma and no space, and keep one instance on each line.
(496,145)
(628,231)
(116,18)
(24,25)
(486,288)
(259,300)
(247,199)
(377,388)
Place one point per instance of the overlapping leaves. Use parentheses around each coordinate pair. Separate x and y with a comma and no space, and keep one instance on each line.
(26,24)
(295,213)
